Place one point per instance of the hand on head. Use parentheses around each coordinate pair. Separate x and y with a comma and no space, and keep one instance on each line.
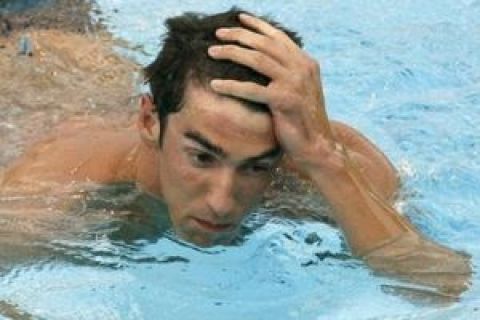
(294,94)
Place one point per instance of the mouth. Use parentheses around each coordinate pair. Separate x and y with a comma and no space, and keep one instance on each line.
(213,227)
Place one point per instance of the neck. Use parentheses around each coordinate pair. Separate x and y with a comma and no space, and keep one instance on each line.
(141,166)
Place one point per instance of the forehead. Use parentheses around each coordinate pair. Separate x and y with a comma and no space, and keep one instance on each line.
(226,122)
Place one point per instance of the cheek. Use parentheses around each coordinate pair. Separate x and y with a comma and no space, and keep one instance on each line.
(182,188)
(182,177)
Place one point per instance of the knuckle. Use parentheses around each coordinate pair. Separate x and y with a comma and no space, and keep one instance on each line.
(284,101)
(263,42)
(229,49)
(312,65)
(257,57)
(277,32)
(236,32)
(297,81)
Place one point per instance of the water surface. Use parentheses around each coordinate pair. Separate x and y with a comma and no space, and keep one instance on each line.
(407,74)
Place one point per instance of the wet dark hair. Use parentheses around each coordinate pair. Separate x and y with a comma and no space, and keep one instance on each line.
(184,58)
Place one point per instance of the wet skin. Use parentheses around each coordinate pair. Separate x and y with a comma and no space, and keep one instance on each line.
(214,164)
(212,168)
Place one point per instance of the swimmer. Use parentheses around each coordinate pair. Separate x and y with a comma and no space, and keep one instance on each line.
(233,97)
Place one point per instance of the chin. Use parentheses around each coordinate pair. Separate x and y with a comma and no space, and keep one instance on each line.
(206,240)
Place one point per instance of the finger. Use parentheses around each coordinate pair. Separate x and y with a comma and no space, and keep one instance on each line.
(241,89)
(254,40)
(266,29)
(254,59)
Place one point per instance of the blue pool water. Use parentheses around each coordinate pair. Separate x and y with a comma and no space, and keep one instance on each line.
(407,74)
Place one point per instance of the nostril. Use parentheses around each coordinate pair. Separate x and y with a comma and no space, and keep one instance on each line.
(221,196)
(221,203)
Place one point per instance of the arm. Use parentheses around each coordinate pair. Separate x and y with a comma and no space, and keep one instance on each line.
(78,150)
(372,228)
(370,160)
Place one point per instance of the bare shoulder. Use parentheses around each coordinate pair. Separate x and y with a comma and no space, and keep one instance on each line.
(78,149)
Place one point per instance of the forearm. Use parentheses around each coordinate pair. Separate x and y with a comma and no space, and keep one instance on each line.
(366,219)
(383,238)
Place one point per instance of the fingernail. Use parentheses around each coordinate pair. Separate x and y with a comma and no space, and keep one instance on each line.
(213,50)
(221,32)
(244,16)
(214,83)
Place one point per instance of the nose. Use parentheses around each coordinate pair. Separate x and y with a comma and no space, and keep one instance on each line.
(221,195)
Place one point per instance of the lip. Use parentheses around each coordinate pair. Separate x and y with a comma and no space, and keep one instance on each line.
(212,227)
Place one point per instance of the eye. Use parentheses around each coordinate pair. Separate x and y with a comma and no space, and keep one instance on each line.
(257,169)
(201,159)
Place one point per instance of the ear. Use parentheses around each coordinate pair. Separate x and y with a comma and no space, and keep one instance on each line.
(148,124)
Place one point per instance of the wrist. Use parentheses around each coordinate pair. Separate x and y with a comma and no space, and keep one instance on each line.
(324,162)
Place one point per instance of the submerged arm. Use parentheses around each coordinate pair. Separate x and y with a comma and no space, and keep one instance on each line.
(382,237)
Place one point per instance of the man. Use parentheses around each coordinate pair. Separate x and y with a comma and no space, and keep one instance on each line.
(233,97)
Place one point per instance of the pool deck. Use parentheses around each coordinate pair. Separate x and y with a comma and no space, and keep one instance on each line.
(67,15)
(52,70)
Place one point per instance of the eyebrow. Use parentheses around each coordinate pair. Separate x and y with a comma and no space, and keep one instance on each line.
(217,150)
(204,142)
(269,154)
